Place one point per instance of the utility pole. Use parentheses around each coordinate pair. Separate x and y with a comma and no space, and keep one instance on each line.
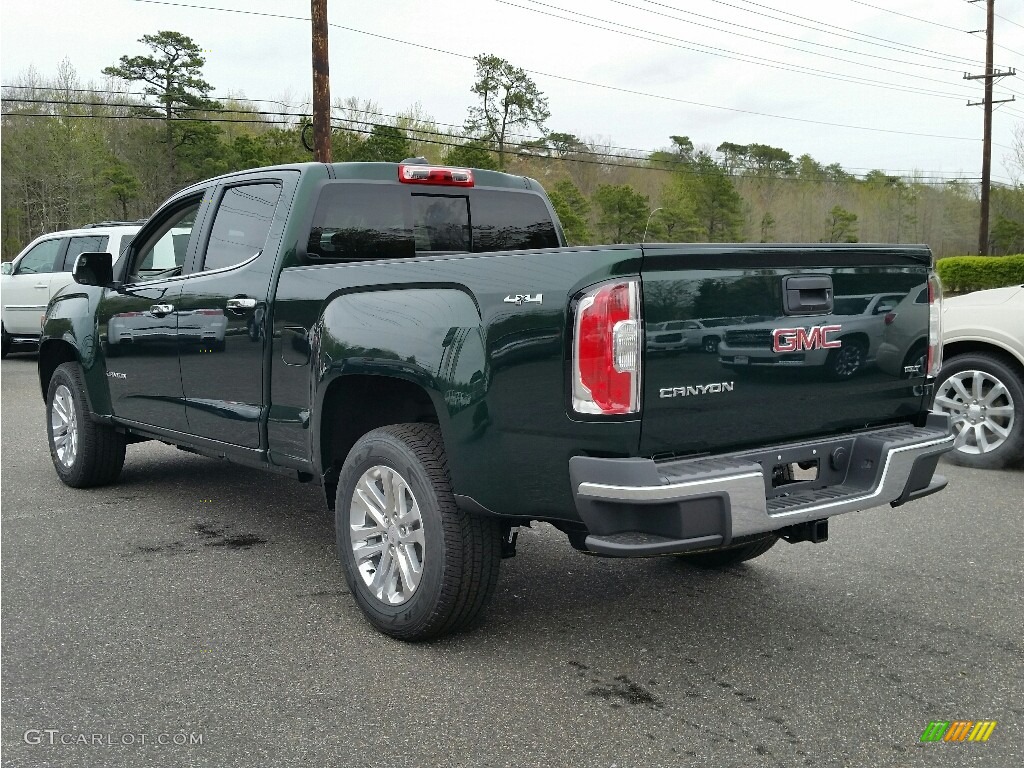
(321,83)
(990,76)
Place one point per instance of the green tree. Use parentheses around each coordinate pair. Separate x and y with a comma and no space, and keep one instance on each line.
(733,155)
(573,211)
(624,212)
(679,154)
(172,74)
(122,184)
(675,220)
(385,144)
(842,225)
(471,154)
(716,203)
(509,100)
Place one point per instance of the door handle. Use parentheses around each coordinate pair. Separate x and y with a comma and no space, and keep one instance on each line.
(41,285)
(240,305)
(161,310)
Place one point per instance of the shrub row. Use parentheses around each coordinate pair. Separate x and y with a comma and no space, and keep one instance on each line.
(960,274)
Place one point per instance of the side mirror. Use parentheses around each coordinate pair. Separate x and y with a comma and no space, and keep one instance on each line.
(6,268)
(93,269)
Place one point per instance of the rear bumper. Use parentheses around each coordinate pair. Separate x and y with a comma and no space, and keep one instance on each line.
(638,507)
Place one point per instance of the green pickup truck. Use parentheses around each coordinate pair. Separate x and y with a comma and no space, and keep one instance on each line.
(421,342)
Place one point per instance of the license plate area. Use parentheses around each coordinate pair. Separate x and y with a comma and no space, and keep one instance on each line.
(804,466)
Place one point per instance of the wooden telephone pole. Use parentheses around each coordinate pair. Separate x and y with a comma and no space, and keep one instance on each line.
(990,76)
(321,84)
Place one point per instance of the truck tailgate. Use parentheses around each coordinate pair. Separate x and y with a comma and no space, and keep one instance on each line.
(740,350)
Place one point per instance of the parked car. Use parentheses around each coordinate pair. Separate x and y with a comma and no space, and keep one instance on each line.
(904,350)
(981,384)
(43,268)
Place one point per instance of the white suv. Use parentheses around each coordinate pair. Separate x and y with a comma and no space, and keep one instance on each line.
(43,268)
(981,385)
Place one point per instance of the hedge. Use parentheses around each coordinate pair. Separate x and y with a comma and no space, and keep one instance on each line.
(960,274)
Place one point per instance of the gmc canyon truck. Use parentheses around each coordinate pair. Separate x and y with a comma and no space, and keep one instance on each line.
(421,342)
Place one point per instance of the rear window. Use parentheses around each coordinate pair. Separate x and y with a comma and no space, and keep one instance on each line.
(850,306)
(362,221)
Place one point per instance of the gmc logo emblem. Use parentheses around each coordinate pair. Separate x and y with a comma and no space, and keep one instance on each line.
(805,339)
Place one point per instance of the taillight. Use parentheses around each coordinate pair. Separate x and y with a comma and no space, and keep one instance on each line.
(606,350)
(934,325)
(890,317)
(430,174)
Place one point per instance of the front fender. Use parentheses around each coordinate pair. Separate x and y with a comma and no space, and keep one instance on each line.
(70,323)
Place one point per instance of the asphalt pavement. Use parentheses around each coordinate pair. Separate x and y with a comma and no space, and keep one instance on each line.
(195,614)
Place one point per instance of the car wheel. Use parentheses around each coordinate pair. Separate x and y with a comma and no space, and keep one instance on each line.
(417,565)
(710,344)
(984,397)
(84,453)
(5,342)
(723,558)
(917,358)
(844,362)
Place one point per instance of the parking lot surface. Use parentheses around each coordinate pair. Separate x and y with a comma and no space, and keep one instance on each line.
(198,601)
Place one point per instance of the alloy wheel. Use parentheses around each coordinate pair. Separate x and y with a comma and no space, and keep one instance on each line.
(64,426)
(386,533)
(981,409)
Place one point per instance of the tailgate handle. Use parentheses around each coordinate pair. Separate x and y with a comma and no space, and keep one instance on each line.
(807,295)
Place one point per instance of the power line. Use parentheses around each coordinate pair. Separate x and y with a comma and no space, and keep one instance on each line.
(577,81)
(395,117)
(735,56)
(638,164)
(883,42)
(784,37)
(908,16)
(998,16)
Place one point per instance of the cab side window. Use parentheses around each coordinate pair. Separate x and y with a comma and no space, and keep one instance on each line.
(40,259)
(164,250)
(242,224)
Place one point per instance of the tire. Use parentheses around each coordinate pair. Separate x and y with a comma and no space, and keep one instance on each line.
(995,437)
(457,554)
(5,343)
(723,558)
(845,362)
(86,454)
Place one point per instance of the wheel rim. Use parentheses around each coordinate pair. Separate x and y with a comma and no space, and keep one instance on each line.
(64,426)
(386,533)
(848,360)
(981,409)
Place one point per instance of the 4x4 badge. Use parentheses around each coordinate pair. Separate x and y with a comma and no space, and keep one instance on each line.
(524,298)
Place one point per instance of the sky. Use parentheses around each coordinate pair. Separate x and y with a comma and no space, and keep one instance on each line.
(863,83)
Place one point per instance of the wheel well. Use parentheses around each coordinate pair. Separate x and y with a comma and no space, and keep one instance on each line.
(980,347)
(51,355)
(354,405)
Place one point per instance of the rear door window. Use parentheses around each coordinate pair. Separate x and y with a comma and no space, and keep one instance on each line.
(85,244)
(358,221)
(242,224)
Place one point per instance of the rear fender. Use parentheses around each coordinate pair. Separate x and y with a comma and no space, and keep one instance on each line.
(429,337)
